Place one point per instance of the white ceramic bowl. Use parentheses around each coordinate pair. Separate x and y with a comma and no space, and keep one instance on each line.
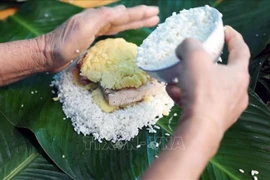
(213,45)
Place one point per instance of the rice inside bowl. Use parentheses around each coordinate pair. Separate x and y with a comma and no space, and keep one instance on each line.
(87,118)
(202,23)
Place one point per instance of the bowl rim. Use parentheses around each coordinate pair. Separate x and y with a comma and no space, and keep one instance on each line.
(218,19)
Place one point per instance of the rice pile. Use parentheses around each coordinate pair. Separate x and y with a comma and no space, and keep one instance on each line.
(158,50)
(87,118)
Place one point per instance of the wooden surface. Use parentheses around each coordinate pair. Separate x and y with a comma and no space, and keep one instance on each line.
(89,3)
(7,12)
(82,3)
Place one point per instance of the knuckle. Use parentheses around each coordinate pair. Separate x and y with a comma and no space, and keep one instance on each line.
(75,17)
(246,51)
(245,101)
(239,36)
(104,12)
(243,76)
(243,80)
(143,7)
(247,78)
(74,21)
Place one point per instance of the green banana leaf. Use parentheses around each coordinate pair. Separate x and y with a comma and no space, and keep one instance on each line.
(6,5)
(255,68)
(245,145)
(19,159)
(35,18)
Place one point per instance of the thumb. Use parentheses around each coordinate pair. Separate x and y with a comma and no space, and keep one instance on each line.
(191,52)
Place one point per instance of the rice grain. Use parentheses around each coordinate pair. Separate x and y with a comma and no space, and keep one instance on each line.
(87,118)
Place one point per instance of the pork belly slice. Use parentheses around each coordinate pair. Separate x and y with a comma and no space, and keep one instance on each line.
(128,96)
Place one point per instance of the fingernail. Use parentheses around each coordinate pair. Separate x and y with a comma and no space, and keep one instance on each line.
(121,6)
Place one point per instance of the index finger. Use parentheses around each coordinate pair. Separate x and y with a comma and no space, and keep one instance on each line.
(137,13)
(238,50)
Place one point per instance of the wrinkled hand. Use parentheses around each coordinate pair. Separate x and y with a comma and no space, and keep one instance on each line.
(78,32)
(210,92)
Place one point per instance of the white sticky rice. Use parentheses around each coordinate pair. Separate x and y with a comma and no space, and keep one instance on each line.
(158,50)
(87,118)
